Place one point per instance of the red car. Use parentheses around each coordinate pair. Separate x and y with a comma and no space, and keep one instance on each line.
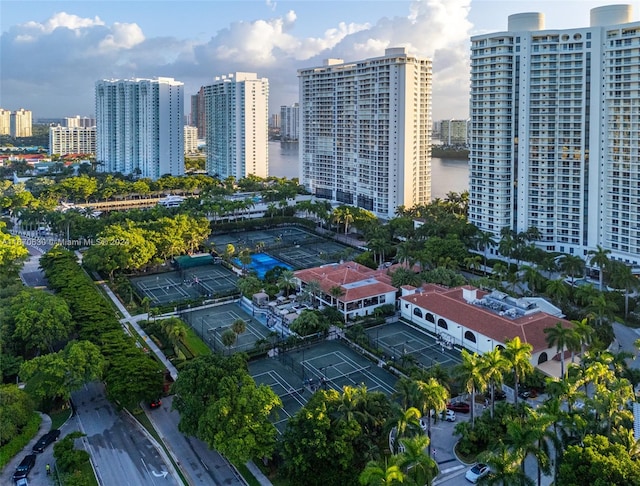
(462,407)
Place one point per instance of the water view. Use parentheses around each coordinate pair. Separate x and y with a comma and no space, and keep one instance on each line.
(446,174)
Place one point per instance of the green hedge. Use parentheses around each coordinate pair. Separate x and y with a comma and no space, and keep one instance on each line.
(15,445)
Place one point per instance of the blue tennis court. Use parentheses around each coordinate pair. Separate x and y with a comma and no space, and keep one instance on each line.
(261,263)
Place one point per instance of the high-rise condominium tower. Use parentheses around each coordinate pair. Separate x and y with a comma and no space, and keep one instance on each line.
(72,140)
(5,121)
(139,126)
(365,131)
(21,123)
(555,132)
(236,108)
(290,122)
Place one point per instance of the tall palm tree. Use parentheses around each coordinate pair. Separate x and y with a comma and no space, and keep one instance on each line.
(407,423)
(518,354)
(484,241)
(560,336)
(430,395)
(573,266)
(584,332)
(382,474)
(527,436)
(505,468)
(623,278)
(470,372)
(557,290)
(413,461)
(600,259)
(287,281)
(494,366)
(602,308)
(313,290)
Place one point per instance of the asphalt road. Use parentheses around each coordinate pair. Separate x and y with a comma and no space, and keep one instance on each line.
(197,461)
(121,452)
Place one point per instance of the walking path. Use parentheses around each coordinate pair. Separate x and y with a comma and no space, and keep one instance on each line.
(134,322)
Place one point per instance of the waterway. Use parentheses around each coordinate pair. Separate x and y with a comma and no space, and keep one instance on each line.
(446,174)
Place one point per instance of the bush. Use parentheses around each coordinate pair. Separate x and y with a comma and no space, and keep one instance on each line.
(18,442)
(68,459)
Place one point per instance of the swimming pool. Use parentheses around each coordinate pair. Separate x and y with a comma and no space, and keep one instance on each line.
(261,263)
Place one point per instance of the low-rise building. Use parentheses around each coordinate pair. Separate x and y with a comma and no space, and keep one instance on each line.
(355,290)
(482,321)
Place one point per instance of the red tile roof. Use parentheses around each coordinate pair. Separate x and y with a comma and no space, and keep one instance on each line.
(449,304)
(340,274)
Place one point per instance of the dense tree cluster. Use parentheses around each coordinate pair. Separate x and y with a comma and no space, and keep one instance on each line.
(131,375)
(220,403)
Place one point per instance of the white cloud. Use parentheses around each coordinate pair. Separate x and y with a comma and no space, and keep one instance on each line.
(124,36)
(74,52)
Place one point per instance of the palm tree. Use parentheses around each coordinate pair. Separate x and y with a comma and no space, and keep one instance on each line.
(313,290)
(430,395)
(532,277)
(494,366)
(484,241)
(584,333)
(415,464)
(407,423)
(287,281)
(560,336)
(527,436)
(505,468)
(518,354)
(602,308)
(405,276)
(584,294)
(623,278)
(336,292)
(238,326)
(557,290)
(572,265)
(600,259)
(377,474)
(471,373)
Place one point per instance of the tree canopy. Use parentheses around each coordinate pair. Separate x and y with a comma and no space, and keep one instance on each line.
(220,403)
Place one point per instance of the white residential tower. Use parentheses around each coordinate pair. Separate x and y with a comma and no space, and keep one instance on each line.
(139,127)
(555,132)
(365,131)
(236,112)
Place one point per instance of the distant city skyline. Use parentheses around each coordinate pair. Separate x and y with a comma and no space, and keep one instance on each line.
(54,51)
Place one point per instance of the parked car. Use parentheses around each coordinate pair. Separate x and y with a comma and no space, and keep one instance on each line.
(155,403)
(25,466)
(499,395)
(22,482)
(477,472)
(459,406)
(526,394)
(45,440)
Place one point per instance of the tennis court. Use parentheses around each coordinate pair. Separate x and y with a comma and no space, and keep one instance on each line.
(291,245)
(293,399)
(186,284)
(331,364)
(328,364)
(164,288)
(211,323)
(400,342)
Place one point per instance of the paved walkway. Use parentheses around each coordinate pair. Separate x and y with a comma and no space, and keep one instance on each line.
(134,322)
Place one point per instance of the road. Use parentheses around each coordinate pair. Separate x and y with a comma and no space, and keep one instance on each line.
(201,464)
(122,453)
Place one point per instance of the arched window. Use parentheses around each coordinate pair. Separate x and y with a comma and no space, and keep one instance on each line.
(417,312)
(469,336)
(442,323)
(429,317)
(543,358)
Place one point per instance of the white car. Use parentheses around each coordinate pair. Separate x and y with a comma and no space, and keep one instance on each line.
(476,472)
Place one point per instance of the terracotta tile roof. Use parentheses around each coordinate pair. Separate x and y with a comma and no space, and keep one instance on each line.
(341,274)
(449,304)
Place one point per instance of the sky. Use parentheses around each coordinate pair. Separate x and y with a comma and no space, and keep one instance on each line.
(53,52)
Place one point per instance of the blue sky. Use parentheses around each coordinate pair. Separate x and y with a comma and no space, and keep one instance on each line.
(52,52)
